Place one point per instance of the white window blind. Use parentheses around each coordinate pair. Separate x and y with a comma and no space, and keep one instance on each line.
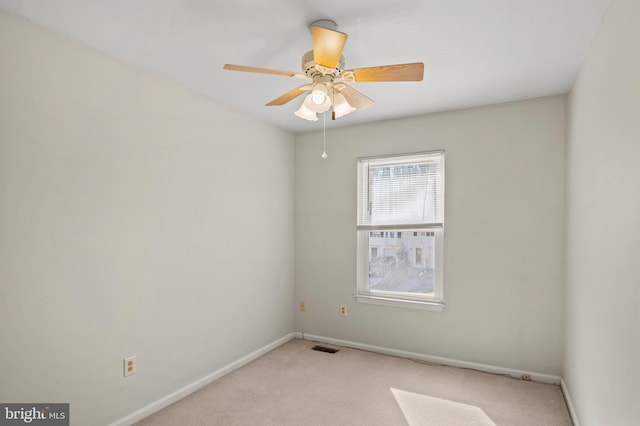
(401,191)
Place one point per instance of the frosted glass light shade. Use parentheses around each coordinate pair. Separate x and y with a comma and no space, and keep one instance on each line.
(306,113)
(318,100)
(340,105)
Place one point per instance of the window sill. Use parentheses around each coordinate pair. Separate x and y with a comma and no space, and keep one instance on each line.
(400,303)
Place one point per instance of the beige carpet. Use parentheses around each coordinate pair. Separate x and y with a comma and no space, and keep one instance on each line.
(294,385)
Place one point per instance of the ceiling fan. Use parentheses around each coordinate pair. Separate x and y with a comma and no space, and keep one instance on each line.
(324,66)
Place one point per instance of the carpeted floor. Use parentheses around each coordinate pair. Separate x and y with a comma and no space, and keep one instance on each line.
(294,385)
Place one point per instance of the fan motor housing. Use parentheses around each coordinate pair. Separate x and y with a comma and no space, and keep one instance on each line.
(313,70)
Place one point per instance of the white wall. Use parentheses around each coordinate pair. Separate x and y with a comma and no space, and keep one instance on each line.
(135,219)
(601,367)
(504,218)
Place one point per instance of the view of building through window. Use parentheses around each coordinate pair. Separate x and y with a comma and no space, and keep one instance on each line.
(402,261)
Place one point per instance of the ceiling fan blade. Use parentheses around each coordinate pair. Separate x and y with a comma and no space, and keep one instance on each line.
(355,98)
(327,46)
(290,95)
(232,67)
(399,72)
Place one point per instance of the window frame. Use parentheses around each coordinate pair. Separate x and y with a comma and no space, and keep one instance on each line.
(390,298)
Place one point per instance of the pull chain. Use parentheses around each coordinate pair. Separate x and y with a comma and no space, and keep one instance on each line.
(324,136)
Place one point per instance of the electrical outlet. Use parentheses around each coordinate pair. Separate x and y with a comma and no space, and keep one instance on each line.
(343,310)
(130,366)
(303,306)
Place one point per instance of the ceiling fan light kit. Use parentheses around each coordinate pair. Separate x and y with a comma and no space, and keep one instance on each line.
(324,66)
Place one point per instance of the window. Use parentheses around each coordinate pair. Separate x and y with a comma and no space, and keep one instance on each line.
(399,195)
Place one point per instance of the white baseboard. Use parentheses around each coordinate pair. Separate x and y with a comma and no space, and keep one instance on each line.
(537,377)
(567,398)
(198,384)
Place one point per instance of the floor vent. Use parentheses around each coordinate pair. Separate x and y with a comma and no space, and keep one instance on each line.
(325,349)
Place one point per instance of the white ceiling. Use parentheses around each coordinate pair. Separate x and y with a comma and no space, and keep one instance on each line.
(476,52)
